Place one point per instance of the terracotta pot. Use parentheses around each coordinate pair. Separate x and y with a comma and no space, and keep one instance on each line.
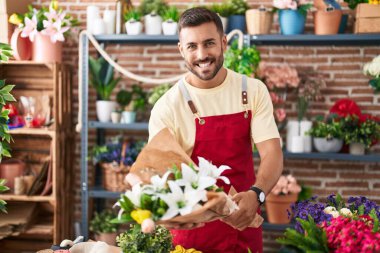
(109,238)
(276,207)
(327,22)
(46,51)
(10,169)
(259,21)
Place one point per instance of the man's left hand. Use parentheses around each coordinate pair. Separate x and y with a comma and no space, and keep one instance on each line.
(248,205)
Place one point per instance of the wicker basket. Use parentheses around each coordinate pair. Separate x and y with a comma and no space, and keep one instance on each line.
(114,174)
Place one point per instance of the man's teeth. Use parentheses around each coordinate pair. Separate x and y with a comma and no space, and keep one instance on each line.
(204,65)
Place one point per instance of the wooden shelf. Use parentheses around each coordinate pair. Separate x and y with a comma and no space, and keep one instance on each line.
(12,197)
(32,131)
(49,65)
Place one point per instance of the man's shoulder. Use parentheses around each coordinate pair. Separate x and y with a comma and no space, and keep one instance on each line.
(251,81)
(170,97)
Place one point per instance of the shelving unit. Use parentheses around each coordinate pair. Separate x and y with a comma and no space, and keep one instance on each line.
(295,40)
(52,222)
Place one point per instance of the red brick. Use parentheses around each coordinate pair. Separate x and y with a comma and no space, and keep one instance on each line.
(371,194)
(329,52)
(371,50)
(293,51)
(343,166)
(352,175)
(347,184)
(315,174)
(350,59)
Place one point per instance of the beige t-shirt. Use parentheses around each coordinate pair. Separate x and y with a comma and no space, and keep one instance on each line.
(172,110)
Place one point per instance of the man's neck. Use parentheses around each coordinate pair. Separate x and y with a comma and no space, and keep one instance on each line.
(208,84)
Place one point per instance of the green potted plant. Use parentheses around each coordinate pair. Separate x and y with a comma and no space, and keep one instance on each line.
(244,61)
(170,24)
(152,10)
(133,24)
(102,79)
(224,11)
(124,98)
(360,133)
(103,227)
(327,135)
(236,20)
(135,241)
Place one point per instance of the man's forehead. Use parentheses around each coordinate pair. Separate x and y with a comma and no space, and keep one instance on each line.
(199,34)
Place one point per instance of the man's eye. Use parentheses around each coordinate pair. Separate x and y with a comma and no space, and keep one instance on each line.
(210,43)
(191,47)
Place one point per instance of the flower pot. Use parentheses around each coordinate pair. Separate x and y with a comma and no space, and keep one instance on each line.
(291,22)
(169,27)
(236,22)
(153,24)
(104,110)
(46,51)
(22,47)
(115,117)
(259,21)
(327,22)
(10,169)
(133,27)
(276,207)
(109,238)
(357,148)
(324,145)
(128,117)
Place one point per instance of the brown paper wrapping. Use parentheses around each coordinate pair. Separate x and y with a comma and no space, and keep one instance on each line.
(159,155)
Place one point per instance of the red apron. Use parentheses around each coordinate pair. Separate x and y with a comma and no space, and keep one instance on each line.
(224,140)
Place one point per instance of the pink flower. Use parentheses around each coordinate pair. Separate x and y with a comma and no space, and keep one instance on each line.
(279,4)
(30,28)
(280,114)
(292,5)
(148,226)
(55,30)
(274,97)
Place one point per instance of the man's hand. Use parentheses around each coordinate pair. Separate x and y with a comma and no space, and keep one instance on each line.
(248,205)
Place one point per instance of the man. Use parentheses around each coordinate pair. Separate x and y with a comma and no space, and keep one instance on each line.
(216,113)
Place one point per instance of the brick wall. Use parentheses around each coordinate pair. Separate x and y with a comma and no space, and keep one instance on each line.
(340,66)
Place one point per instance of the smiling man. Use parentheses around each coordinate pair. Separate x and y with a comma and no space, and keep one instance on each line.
(217,114)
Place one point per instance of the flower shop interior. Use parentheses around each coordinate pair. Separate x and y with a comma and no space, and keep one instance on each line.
(78,81)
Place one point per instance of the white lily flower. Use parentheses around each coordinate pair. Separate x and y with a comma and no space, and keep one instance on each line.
(196,180)
(135,195)
(206,168)
(181,202)
(157,183)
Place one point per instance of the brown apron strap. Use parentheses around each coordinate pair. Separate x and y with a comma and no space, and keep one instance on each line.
(193,109)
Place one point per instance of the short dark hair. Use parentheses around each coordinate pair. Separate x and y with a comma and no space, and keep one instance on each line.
(197,16)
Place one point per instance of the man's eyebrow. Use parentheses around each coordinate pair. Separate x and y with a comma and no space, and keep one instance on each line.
(205,41)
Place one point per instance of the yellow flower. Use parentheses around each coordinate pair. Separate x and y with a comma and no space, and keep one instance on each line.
(54,4)
(15,19)
(180,249)
(140,215)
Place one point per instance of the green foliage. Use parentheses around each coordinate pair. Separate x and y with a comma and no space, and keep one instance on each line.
(339,202)
(353,3)
(134,241)
(367,132)
(244,61)
(123,98)
(153,7)
(139,99)
(171,14)
(5,52)
(223,9)
(132,15)
(157,92)
(102,77)
(329,129)
(3,188)
(304,8)
(238,7)
(102,222)
(375,84)
(306,193)
(312,241)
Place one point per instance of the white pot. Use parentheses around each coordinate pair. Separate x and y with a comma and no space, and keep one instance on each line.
(306,125)
(324,145)
(224,22)
(294,144)
(115,117)
(169,28)
(153,24)
(357,149)
(104,110)
(133,27)
(128,117)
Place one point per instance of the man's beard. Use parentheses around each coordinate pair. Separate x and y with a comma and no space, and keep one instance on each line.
(205,77)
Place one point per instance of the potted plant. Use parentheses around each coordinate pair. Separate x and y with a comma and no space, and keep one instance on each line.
(103,227)
(292,15)
(259,21)
(135,241)
(372,69)
(170,24)
(327,17)
(133,24)
(224,11)
(102,79)
(236,20)
(152,10)
(124,99)
(244,61)
(360,132)
(327,136)
(46,28)
(278,202)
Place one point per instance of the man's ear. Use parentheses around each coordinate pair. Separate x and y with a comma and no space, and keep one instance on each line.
(224,43)
(180,49)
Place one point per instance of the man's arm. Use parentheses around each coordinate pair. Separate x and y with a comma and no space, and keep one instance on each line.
(270,169)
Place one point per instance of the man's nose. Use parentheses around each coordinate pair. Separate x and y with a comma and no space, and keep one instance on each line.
(202,53)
